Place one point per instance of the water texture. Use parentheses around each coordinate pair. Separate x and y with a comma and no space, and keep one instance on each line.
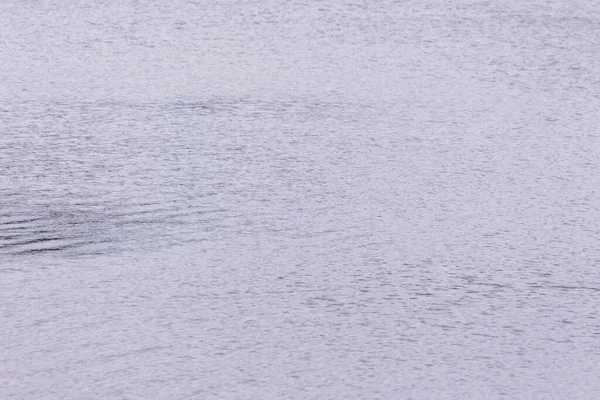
(300,200)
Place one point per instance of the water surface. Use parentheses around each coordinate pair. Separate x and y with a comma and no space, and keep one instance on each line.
(307,200)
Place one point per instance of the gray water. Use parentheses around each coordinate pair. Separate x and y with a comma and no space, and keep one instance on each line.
(300,200)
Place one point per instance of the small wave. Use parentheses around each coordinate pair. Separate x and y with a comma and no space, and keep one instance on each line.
(95,227)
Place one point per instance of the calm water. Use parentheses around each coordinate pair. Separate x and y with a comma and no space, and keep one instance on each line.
(300,200)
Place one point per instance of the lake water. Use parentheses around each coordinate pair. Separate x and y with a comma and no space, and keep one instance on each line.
(300,199)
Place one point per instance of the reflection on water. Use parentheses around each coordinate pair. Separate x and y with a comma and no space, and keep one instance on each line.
(304,200)
(99,178)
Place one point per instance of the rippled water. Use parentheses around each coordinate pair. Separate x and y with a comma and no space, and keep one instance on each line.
(309,200)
